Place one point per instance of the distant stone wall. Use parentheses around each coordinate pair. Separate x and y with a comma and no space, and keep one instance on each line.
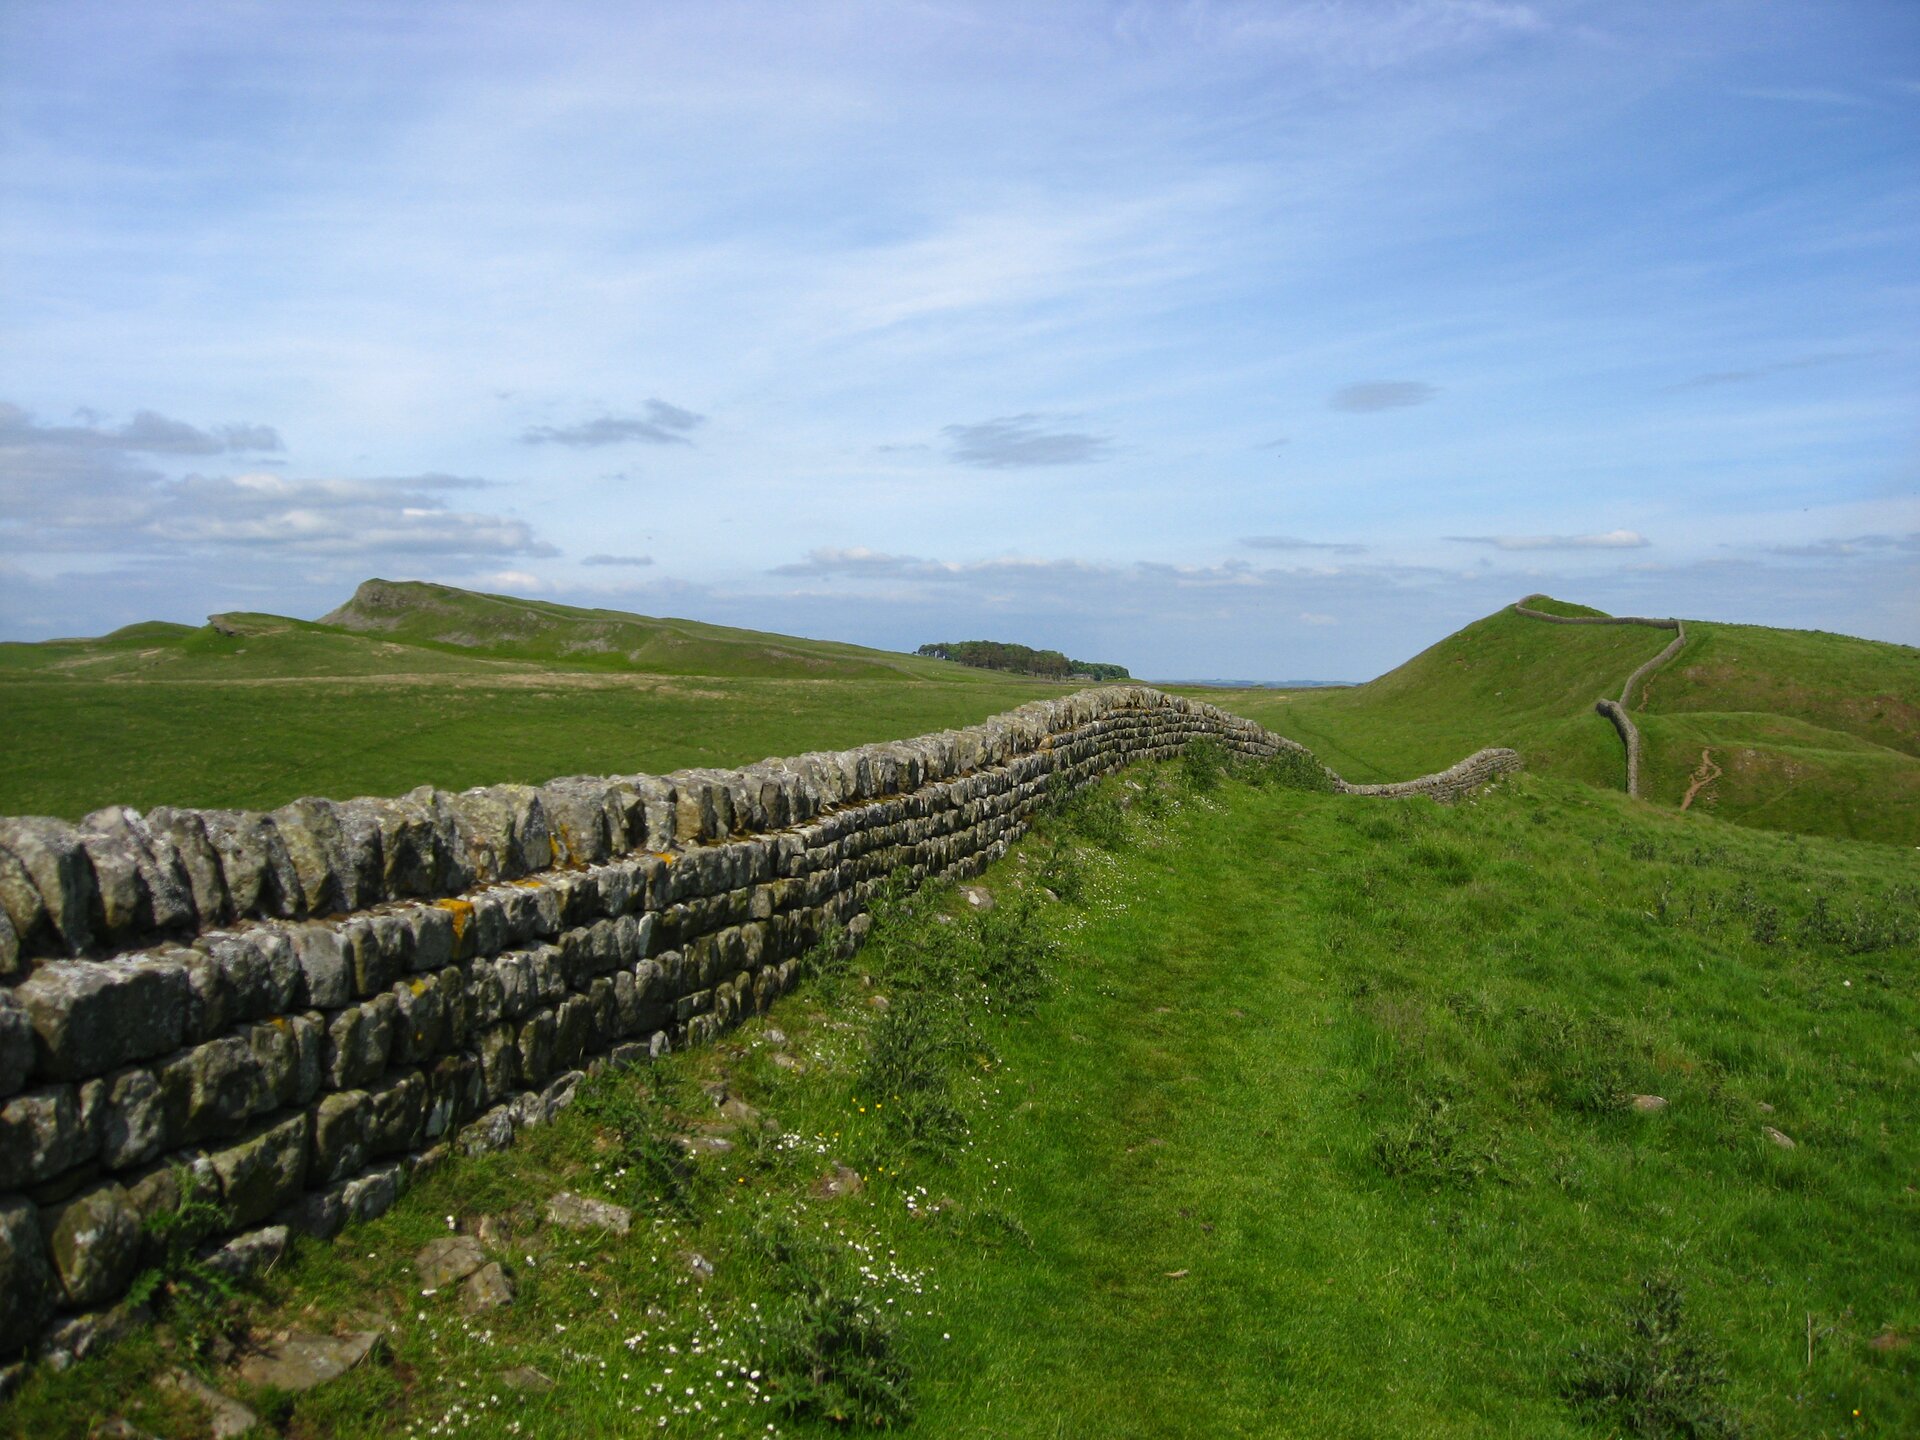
(305,1007)
(1616,710)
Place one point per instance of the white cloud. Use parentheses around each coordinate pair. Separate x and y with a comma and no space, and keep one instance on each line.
(1605,540)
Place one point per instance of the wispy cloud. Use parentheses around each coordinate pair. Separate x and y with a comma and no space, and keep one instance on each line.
(1805,95)
(662,424)
(1605,540)
(631,561)
(1014,442)
(1368,396)
(1778,367)
(1835,549)
(148,432)
(1290,542)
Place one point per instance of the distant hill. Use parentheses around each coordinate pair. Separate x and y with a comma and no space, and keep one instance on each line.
(410,684)
(1022,660)
(1807,731)
(509,628)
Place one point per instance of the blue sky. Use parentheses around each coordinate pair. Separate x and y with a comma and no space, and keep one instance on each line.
(1268,340)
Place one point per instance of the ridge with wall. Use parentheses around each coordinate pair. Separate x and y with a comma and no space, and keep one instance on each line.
(1616,710)
(301,1009)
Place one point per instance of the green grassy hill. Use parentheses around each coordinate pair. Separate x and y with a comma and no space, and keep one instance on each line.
(507,628)
(411,684)
(1788,729)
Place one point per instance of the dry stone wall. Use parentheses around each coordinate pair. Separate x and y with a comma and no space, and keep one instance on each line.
(1616,710)
(301,1009)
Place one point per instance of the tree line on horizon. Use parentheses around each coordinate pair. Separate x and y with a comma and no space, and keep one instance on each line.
(1020,660)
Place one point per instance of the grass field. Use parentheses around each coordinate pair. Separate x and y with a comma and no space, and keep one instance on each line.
(1296,1115)
(263,709)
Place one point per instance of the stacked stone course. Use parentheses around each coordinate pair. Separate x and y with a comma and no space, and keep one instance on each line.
(303,1009)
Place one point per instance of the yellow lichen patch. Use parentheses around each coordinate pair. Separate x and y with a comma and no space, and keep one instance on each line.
(462,912)
(665,857)
(419,987)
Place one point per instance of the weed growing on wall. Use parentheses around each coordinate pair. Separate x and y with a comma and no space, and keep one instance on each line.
(196,1298)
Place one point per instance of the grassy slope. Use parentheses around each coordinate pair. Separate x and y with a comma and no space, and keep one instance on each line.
(1265,996)
(171,714)
(1504,680)
(1813,732)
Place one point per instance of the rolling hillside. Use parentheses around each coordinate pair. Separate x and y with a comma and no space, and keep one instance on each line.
(411,684)
(1785,729)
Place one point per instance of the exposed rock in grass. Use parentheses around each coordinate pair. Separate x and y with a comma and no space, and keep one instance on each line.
(1649,1104)
(525,1377)
(579,1212)
(450,1258)
(487,1288)
(226,1416)
(978,897)
(698,1265)
(298,1362)
(837,1182)
(1778,1137)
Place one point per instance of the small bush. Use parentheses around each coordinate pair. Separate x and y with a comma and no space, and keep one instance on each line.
(830,1351)
(646,1163)
(1203,764)
(1434,1148)
(1658,1379)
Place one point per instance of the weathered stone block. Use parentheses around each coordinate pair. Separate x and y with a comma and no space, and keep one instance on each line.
(212,1090)
(16,1044)
(536,1048)
(455,1094)
(26,1279)
(339,1145)
(254,864)
(310,830)
(93,1242)
(397,1115)
(373,1194)
(359,1042)
(133,1125)
(321,953)
(421,1020)
(182,835)
(41,1135)
(264,1172)
(56,865)
(90,1017)
(573,1031)
(499,1050)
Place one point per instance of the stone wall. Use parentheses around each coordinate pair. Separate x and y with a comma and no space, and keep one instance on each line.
(1616,711)
(303,1008)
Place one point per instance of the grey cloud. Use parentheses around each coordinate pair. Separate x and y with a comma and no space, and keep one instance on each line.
(56,497)
(1013,442)
(1289,542)
(1371,395)
(1779,367)
(626,560)
(148,432)
(663,424)
(1606,540)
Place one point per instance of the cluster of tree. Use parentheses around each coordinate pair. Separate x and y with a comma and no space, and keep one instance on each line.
(1021,660)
